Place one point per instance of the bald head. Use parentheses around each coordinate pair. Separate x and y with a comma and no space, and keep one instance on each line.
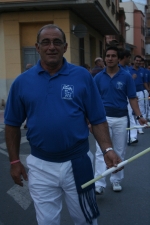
(99,62)
(28,66)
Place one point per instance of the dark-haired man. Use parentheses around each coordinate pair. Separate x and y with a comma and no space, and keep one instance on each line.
(146,88)
(115,85)
(139,77)
(124,60)
(56,97)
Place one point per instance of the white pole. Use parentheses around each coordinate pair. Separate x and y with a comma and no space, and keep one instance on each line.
(115,168)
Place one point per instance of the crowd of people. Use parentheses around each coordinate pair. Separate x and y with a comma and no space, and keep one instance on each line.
(124,91)
(62,102)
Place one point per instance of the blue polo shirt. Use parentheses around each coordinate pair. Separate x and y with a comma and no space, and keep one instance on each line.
(140,79)
(56,107)
(114,91)
(126,68)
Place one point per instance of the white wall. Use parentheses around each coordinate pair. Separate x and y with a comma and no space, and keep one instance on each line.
(129,9)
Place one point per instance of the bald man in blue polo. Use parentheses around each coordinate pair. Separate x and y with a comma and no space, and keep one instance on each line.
(57,98)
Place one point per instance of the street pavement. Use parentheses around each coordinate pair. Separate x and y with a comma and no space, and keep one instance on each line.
(129,207)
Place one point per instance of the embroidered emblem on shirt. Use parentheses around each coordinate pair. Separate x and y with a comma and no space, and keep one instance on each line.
(67,91)
(119,85)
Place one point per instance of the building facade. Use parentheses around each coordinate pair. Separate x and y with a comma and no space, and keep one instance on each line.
(20,20)
(135,35)
(147,38)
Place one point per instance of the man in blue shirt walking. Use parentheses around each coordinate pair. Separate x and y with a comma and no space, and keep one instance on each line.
(139,77)
(115,85)
(57,98)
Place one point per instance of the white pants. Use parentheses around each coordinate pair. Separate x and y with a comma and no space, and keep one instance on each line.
(146,103)
(48,181)
(118,133)
(133,133)
(141,102)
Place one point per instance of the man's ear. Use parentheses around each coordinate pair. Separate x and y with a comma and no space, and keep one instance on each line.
(37,47)
(65,47)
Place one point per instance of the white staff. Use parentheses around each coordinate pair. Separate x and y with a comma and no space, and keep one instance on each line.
(144,98)
(112,169)
(139,126)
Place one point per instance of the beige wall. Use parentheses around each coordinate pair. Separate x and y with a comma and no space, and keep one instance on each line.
(129,7)
(3,91)
(19,29)
(109,13)
(90,54)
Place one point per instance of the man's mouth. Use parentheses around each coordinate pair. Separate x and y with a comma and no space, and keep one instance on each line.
(52,54)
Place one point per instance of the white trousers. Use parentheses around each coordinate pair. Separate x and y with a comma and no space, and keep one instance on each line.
(146,103)
(48,181)
(141,102)
(133,133)
(118,133)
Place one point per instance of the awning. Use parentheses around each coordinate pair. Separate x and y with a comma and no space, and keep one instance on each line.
(89,11)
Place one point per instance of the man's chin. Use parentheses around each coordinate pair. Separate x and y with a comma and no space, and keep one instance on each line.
(52,62)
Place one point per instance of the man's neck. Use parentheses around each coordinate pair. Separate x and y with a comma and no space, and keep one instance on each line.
(122,63)
(135,67)
(53,68)
(111,71)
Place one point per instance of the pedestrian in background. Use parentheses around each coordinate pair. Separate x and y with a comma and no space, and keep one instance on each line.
(57,97)
(138,74)
(86,66)
(124,60)
(146,88)
(99,66)
(115,86)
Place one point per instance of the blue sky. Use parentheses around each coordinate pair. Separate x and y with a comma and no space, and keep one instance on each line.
(138,1)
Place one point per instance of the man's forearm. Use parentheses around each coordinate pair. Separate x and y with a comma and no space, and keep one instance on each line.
(101,134)
(135,106)
(146,86)
(12,137)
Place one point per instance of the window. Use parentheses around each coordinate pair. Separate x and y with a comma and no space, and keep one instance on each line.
(113,8)
(148,32)
(29,55)
(108,3)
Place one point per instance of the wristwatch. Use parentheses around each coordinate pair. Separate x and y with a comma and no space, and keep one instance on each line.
(106,150)
(138,117)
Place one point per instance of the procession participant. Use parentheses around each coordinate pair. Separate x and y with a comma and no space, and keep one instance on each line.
(57,98)
(138,75)
(99,66)
(124,60)
(115,86)
(85,65)
(146,88)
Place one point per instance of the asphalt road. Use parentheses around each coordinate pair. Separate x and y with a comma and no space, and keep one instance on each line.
(129,207)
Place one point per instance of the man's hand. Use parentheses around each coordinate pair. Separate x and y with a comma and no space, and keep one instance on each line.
(134,76)
(142,121)
(17,171)
(112,160)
